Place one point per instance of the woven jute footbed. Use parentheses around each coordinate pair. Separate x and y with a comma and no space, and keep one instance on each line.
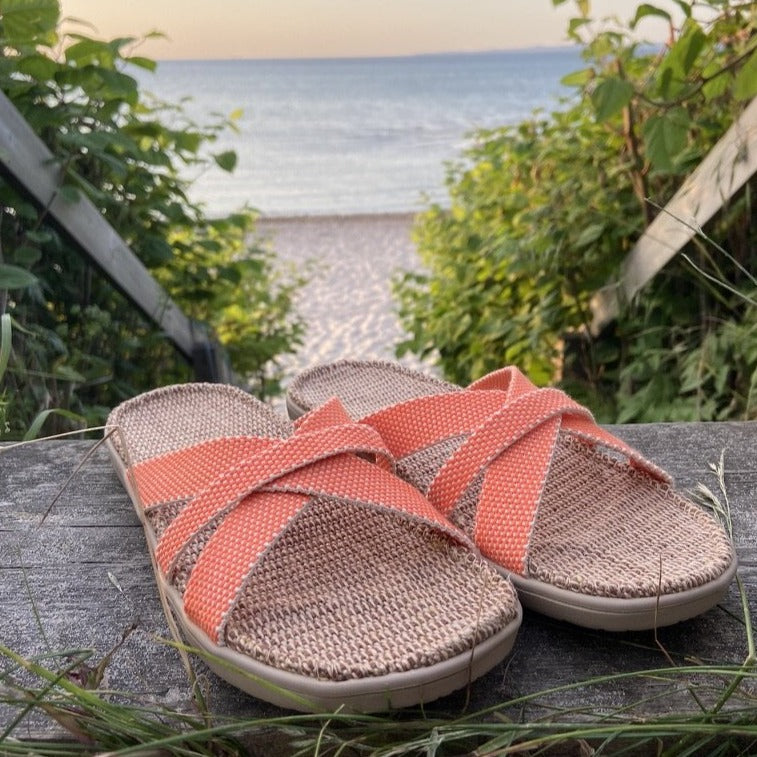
(345,591)
(602,527)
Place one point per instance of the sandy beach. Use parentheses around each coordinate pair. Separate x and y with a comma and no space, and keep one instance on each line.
(347,302)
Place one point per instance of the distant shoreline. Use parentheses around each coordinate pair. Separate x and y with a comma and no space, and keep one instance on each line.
(534,49)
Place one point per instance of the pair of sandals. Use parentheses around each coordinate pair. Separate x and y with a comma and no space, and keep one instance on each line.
(374,554)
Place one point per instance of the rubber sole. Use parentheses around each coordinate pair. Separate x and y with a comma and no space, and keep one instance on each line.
(617,614)
(305,694)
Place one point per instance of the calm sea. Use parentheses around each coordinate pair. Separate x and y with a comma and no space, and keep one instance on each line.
(359,135)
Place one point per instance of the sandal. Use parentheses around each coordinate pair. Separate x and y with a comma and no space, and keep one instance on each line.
(310,576)
(588,530)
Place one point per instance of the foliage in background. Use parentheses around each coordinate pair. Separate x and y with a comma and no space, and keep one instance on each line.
(78,344)
(543,212)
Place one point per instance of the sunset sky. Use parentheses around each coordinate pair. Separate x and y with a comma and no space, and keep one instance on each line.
(336,28)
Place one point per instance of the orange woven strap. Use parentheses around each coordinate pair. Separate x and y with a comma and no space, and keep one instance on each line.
(420,422)
(254,473)
(514,383)
(528,415)
(252,502)
(179,475)
(511,429)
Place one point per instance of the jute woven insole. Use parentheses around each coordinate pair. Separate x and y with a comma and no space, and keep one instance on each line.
(347,591)
(602,528)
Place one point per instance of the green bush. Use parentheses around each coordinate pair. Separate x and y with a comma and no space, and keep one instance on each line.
(78,345)
(542,214)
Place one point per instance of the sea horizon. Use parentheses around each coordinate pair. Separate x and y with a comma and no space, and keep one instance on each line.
(406,56)
(347,135)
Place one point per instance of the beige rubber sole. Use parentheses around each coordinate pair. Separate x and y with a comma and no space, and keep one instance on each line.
(611,614)
(305,694)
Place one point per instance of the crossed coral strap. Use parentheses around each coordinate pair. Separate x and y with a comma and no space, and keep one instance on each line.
(515,384)
(178,475)
(511,428)
(280,457)
(259,497)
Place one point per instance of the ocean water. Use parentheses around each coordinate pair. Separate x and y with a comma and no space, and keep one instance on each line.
(364,135)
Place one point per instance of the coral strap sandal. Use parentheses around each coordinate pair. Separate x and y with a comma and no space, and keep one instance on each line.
(309,573)
(588,529)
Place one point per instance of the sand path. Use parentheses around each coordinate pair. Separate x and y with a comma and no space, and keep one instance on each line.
(347,302)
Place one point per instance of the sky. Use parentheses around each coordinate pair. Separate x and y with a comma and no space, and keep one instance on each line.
(201,29)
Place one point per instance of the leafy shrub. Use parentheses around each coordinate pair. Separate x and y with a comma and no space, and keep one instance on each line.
(543,213)
(78,344)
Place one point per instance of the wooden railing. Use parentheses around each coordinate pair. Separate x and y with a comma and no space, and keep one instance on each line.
(29,164)
(725,169)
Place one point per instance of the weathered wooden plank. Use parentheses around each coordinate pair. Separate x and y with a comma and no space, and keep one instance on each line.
(58,588)
(31,164)
(725,169)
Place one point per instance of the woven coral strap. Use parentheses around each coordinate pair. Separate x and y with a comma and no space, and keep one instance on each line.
(349,479)
(511,381)
(179,475)
(513,448)
(331,413)
(253,473)
(511,428)
(497,434)
(510,496)
(262,495)
(420,422)
(227,559)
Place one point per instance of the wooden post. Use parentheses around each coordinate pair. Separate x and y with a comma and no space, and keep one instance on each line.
(30,164)
(725,169)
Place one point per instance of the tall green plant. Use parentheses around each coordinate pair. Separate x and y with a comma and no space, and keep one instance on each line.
(542,214)
(79,344)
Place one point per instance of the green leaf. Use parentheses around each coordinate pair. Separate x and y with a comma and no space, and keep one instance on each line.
(89,52)
(40,236)
(25,21)
(67,373)
(578,78)
(38,67)
(686,49)
(574,25)
(69,193)
(590,234)
(155,250)
(118,85)
(39,421)
(226,160)
(26,255)
(648,10)
(147,63)
(116,44)
(745,83)
(665,137)
(610,97)
(14,277)
(718,85)
(188,141)
(230,273)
